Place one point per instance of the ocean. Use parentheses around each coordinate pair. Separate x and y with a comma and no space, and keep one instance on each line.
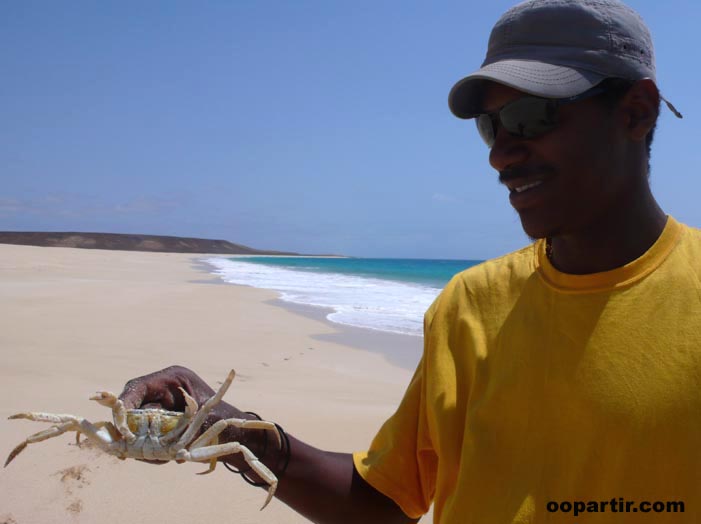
(384,294)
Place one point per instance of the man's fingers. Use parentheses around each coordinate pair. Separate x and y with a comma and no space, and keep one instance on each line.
(133,394)
(163,388)
(153,389)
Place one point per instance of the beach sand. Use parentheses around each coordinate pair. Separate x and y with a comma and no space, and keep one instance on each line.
(75,321)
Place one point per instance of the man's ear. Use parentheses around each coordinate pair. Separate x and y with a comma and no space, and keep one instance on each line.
(640,107)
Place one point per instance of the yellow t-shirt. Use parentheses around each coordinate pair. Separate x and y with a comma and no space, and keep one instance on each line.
(548,397)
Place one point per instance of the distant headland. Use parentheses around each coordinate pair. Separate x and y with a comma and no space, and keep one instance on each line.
(126,242)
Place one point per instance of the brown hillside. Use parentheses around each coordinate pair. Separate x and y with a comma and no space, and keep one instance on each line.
(125,242)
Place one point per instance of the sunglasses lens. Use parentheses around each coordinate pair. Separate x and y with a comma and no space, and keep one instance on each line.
(486,128)
(528,117)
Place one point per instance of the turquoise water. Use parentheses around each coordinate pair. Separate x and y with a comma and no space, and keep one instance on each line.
(384,294)
(430,272)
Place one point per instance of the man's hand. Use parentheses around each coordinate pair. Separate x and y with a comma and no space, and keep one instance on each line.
(162,390)
(321,485)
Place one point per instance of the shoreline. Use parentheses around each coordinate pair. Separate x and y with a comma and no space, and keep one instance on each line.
(382,295)
(225,255)
(73,321)
(400,349)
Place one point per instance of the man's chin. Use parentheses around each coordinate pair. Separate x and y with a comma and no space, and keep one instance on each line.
(536,231)
(540,222)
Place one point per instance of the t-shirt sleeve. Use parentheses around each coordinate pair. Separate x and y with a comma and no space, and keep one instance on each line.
(401,462)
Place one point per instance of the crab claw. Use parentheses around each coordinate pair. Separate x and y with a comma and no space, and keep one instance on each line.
(105,398)
(271,492)
(212,465)
(15,452)
(190,404)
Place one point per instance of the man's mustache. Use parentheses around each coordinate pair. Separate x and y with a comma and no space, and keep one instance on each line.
(523,172)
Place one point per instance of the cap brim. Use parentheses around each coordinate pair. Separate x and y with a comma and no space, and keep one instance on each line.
(535,78)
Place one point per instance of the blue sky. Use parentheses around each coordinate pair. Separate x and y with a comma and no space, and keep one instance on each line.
(311,126)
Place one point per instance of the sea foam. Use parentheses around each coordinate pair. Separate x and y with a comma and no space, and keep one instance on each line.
(385,305)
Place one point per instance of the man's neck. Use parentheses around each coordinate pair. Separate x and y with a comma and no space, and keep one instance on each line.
(618,238)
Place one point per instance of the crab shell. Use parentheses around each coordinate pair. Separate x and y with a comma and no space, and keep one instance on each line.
(151,421)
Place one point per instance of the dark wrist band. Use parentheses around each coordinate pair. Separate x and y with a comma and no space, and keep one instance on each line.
(286,461)
(284,447)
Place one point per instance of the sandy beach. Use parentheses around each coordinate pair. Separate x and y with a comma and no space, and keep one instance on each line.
(74,321)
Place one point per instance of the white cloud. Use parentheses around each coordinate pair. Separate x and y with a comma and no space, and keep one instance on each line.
(10,206)
(146,205)
(441,197)
(81,206)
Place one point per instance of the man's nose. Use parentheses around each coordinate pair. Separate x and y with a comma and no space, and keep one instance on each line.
(508,150)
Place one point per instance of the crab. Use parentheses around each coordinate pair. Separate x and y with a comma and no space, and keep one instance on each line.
(157,434)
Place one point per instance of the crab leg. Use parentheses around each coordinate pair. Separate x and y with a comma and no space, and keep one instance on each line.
(211,436)
(212,452)
(104,441)
(64,423)
(56,418)
(201,415)
(114,434)
(214,431)
(190,411)
(119,412)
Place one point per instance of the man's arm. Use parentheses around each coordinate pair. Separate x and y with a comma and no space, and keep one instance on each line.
(323,486)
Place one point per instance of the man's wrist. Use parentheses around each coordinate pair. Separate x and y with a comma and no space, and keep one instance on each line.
(277,461)
(256,440)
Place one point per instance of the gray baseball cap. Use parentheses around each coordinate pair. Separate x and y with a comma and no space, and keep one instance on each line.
(559,49)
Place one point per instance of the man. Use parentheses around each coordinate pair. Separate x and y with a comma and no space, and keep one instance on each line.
(562,382)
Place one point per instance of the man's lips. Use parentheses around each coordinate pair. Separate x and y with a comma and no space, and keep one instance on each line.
(520,185)
(518,176)
(526,184)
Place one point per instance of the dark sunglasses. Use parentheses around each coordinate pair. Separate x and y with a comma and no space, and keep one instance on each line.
(527,117)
